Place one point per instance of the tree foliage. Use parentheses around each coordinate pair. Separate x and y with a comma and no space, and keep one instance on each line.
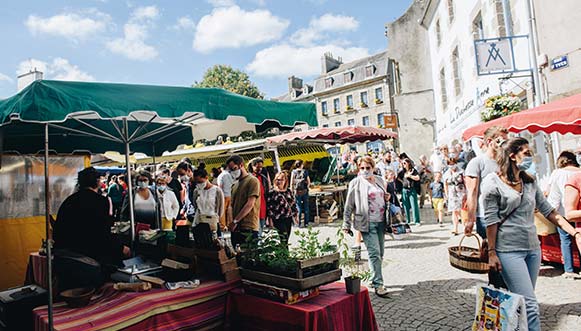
(230,79)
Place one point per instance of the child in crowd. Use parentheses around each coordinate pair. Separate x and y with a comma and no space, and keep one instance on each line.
(437,189)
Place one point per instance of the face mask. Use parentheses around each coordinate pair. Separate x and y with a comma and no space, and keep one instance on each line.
(161,188)
(366,173)
(142,184)
(235,173)
(526,163)
(578,157)
(201,186)
(185,178)
(438,153)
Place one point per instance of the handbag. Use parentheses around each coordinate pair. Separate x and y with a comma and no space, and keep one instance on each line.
(499,310)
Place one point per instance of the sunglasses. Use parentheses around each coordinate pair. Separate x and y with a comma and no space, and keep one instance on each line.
(364,168)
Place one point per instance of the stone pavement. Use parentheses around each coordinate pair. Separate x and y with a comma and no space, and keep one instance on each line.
(426,293)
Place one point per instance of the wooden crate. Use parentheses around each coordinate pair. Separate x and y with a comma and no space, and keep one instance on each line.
(216,255)
(303,264)
(232,275)
(297,284)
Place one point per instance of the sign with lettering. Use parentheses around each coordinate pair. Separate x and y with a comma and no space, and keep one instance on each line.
(494,56)
(390,121)
(461,112)
(559,62)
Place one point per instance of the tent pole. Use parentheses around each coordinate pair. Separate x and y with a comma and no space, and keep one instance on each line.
(129,184)
(47,226)
(337,163)
(277,159)
(153,159)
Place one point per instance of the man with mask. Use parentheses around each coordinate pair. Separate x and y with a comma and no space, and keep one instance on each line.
(185,171)
(258,171)
(478,168)
(245,201)
(386,164)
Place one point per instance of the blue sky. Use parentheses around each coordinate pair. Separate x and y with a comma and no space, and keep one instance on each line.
(173,42)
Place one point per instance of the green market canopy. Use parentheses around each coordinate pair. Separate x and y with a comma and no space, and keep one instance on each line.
(157,118)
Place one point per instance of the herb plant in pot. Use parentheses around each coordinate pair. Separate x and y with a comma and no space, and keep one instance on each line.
(355,270)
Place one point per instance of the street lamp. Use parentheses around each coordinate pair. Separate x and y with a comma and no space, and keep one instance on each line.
(432,123)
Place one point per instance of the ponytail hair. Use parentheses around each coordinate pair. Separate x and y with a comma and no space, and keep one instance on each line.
(505,163)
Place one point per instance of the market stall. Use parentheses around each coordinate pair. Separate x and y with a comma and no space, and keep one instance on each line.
(326,201)
(560,116)
(100,117)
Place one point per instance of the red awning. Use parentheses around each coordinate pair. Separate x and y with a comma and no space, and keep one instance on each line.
(339,135)
(562,116)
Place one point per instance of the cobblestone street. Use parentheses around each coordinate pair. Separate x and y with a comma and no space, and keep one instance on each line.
(428,294)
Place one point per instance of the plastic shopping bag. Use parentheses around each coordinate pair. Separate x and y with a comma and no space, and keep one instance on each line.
(499,310)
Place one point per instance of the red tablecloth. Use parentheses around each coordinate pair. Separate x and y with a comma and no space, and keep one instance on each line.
(158,309)
(36,271)
(332,310)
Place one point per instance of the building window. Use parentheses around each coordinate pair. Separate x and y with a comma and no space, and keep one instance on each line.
(364,101)
(502,28)
(347,77)
(378,95)
(438,33)
(381,120)
(365,120)
(328,82)
(350,102)
(338,124)
(351,122)
(324,109)
(443,89)
(477,27)
(451,10)
(325,125)
(369,70)
(456,72)
(336,105)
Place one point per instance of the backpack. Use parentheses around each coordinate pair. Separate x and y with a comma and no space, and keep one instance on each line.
(301,183)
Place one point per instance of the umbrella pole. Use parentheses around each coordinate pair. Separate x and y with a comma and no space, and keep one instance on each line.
(47,226)
(129,185)
(276,159)
(337,164)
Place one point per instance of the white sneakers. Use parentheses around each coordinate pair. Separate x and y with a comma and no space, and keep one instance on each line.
(381,292)
(571,276)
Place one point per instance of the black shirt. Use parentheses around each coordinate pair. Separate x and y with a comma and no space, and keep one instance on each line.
(83,226)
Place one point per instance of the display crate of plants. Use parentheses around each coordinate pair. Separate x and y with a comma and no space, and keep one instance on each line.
(307,265)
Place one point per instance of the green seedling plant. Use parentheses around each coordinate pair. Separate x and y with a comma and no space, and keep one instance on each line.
(353,268)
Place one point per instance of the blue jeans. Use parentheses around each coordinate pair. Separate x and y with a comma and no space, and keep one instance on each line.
(481,227)
(303,206)
(566,249)
(520,271)
(374,241)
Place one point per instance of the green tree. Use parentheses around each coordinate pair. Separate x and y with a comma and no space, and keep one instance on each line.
(230,79)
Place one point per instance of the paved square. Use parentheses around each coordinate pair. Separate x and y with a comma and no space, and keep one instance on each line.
(428,294)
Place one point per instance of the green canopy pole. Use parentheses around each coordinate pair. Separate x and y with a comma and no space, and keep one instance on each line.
(47,226)
(129,184)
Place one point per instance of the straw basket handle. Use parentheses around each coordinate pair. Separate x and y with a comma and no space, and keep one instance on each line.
(470,235)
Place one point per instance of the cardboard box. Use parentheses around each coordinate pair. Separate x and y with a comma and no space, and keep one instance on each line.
(278,294)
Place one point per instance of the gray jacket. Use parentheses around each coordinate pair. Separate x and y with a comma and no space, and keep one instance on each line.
(357,204)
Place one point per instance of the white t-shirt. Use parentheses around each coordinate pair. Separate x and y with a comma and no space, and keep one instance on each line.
(436,162)
(225,181)
(558,179)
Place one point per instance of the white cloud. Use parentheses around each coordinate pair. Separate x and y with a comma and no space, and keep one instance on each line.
(59,69)
(71,25)
(135,32)
(221,3)
(285,60)
(5,78)
(330,22)
(185,23)
(232,27)
(320,28)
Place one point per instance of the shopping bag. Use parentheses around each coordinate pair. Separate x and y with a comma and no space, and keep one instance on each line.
(499,310)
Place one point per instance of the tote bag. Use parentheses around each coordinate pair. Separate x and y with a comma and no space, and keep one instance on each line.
(499,310)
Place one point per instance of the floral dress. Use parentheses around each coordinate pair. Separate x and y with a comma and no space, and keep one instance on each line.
(456,189)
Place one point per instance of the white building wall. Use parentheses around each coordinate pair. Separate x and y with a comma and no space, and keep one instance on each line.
(463,110)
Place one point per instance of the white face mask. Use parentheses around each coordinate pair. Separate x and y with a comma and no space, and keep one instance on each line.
(185,178)
(366,173)
(235,173)
(201,186)
(161,188)
(142,184)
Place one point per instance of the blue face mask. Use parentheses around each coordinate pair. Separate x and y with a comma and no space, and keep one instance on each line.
(578,159)
(142,184)
(526,163)
(161,188)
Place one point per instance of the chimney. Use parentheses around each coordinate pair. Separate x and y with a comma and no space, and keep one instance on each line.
(328,62)
(294,83)
(26,79)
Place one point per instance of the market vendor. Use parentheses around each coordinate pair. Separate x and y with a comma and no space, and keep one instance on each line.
(83,229)
(146,205)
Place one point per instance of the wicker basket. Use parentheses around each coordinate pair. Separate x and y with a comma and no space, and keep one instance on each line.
(467,258)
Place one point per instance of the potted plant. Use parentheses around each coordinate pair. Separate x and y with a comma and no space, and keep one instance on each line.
(356,272)
(349,108)
(500,105)
(378,101)
(363,105)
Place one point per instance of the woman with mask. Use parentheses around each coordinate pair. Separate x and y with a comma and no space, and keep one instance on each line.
(409,179)
(209,200)
(366,202)
(282,209)
(169,206)
(510,198)
(455,192)
(145,203)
